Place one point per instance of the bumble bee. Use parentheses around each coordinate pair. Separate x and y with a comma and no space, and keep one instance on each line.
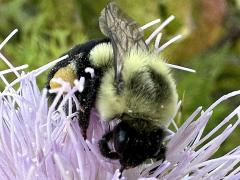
(127,82)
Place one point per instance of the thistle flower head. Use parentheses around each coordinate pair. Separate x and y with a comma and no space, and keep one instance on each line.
(38,141)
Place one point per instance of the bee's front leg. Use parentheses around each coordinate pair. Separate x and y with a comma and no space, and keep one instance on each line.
(104,148)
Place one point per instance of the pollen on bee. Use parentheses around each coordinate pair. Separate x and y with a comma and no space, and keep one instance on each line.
(66,74)
(80,84)
(130,111)
(90,70)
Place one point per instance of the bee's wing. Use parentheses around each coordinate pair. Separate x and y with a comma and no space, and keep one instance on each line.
(124,34)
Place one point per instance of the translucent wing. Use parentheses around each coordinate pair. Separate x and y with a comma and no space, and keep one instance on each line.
(124,34)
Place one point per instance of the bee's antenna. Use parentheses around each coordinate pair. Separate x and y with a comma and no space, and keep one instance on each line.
(121,171)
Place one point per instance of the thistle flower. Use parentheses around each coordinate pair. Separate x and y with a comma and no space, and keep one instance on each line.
(38,141)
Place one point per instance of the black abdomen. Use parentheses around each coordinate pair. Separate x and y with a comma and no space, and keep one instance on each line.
(79,60)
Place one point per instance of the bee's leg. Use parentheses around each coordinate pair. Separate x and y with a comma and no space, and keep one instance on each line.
(121,171)
(160,156)
(156,137)
(104,148)
(83,121)
(162,153)
(86,98)
(159,149)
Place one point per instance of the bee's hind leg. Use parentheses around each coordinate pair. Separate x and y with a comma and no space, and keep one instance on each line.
(83,120)
(87,99)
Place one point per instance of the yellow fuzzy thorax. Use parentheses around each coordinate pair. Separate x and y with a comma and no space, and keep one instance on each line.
(101,55)
(111,104)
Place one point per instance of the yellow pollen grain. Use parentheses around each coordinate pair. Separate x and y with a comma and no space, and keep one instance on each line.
(67,74)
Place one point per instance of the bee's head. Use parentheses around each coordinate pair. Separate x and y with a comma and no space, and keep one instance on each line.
(132,147)
(129,145)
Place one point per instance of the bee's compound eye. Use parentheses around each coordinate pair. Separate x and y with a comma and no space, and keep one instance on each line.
(66,74)
(122,136)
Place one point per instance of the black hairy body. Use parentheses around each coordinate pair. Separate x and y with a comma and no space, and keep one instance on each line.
(132,146)
(79,55)
(137,136)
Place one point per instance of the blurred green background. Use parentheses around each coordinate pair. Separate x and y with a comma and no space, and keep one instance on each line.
(210,44)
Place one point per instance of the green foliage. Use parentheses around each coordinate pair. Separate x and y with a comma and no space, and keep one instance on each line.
(199,86)
(206,86)
(47,29)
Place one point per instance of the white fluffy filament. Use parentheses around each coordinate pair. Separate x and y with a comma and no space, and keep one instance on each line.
(14,69)
(158,39)
(180,67)
(157,31)
(149,24)
(168,43)
(8,38)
